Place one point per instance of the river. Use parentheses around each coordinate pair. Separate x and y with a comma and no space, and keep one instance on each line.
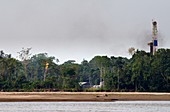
(118,106)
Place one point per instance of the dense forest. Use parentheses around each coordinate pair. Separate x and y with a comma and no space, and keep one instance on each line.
(40,72)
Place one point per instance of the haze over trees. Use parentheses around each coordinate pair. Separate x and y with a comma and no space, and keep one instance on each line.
(142,72)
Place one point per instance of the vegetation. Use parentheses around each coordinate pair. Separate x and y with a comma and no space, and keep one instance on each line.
(142,72)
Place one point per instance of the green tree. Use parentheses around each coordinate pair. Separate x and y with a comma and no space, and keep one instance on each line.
(24,55)
(69,72)
(103,64)
(160,75)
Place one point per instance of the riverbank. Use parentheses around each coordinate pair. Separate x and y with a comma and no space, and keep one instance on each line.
(82,96)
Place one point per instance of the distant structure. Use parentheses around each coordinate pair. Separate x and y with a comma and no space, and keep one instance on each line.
(99,86)
(85,84)
(154,43)
(88,85)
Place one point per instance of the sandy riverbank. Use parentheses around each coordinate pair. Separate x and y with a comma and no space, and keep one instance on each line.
(81,96)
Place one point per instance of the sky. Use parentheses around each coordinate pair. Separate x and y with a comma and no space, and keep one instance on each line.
(82,29)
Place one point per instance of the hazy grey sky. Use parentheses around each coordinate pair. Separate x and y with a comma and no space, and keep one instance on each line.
(81,29)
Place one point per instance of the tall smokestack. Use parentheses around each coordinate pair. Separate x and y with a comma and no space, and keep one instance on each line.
(154,43)
(154,36)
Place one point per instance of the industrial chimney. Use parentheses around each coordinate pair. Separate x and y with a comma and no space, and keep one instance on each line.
(154,36)
(154,43)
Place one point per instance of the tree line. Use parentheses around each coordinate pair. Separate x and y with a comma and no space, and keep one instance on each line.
(40,72)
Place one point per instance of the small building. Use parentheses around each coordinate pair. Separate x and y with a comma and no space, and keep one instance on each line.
(85,84)
(99,86)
